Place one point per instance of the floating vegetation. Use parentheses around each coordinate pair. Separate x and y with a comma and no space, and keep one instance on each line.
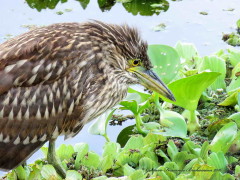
(193,137)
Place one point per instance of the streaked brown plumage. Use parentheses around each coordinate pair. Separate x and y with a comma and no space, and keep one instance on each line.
(54,79)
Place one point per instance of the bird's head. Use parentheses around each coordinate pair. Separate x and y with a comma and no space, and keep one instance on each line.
(127,54)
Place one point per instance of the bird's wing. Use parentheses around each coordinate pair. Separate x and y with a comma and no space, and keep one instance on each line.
(39,56)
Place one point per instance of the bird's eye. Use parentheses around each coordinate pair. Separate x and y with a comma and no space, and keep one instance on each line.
(136,62)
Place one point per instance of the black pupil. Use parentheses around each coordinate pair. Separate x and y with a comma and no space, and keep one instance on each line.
(135,62)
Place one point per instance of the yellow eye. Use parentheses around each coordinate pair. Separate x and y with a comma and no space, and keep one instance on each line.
(135,62)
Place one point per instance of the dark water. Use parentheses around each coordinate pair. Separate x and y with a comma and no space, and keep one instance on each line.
(182,19)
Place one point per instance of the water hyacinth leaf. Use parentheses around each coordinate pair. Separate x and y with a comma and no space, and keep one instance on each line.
(204,150)
(99,127)
(81,149)
(21,173)
(191,164)
(165,60)
(172,149)
(73,175)
(187,91)
(138,174)
(181,157)
(174,124)
(128,170)
(130,105)
(237,171)
(136,95)
(106,163)
(111,149)
(135,142)
(204,171)
(153,138)
(218,161)
(171,166)
(234,56)
(231,100)
(12,176)
(214,64)
(151,126)
(219,175)
(186,51)
(44,150)
(100,178)
(146,164)
(236,118)
(164,173)
(91,160)
(48,172)
(124,135)
(64,152)
(35,173)
(224,138)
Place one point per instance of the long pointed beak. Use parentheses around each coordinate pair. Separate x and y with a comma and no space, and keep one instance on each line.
(151,81)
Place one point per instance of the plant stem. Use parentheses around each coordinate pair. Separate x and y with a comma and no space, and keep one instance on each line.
(156,101)
(106,137)
(193,123)
(139,123)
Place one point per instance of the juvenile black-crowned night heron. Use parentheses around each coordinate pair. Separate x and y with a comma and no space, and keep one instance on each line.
(55,79)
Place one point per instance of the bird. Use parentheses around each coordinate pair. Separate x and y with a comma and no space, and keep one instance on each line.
(57,78)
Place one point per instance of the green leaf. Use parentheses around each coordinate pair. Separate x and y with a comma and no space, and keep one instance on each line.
(204,171)
(237,171)
(81,149)
(165,60)
(100,178)
(153,138)
(124,135)
(174,123)
(48,172)
(224,138)
(99,127)
(130,105)
(218,161)
(106,163)
(12,176)
(35,173)
(136,95)
(111,149)
(138,175)
(186,51)
(84,3)
(146,164)
(231,100)
(65,152)
(187,91)
(190,165)
(236,118)
(214,64)
(91,160)
(181,157)
(73,175)
(144,8)
(135,142)
(128,170)
(21,173)
(204,150)
(234,56)
(172,149)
